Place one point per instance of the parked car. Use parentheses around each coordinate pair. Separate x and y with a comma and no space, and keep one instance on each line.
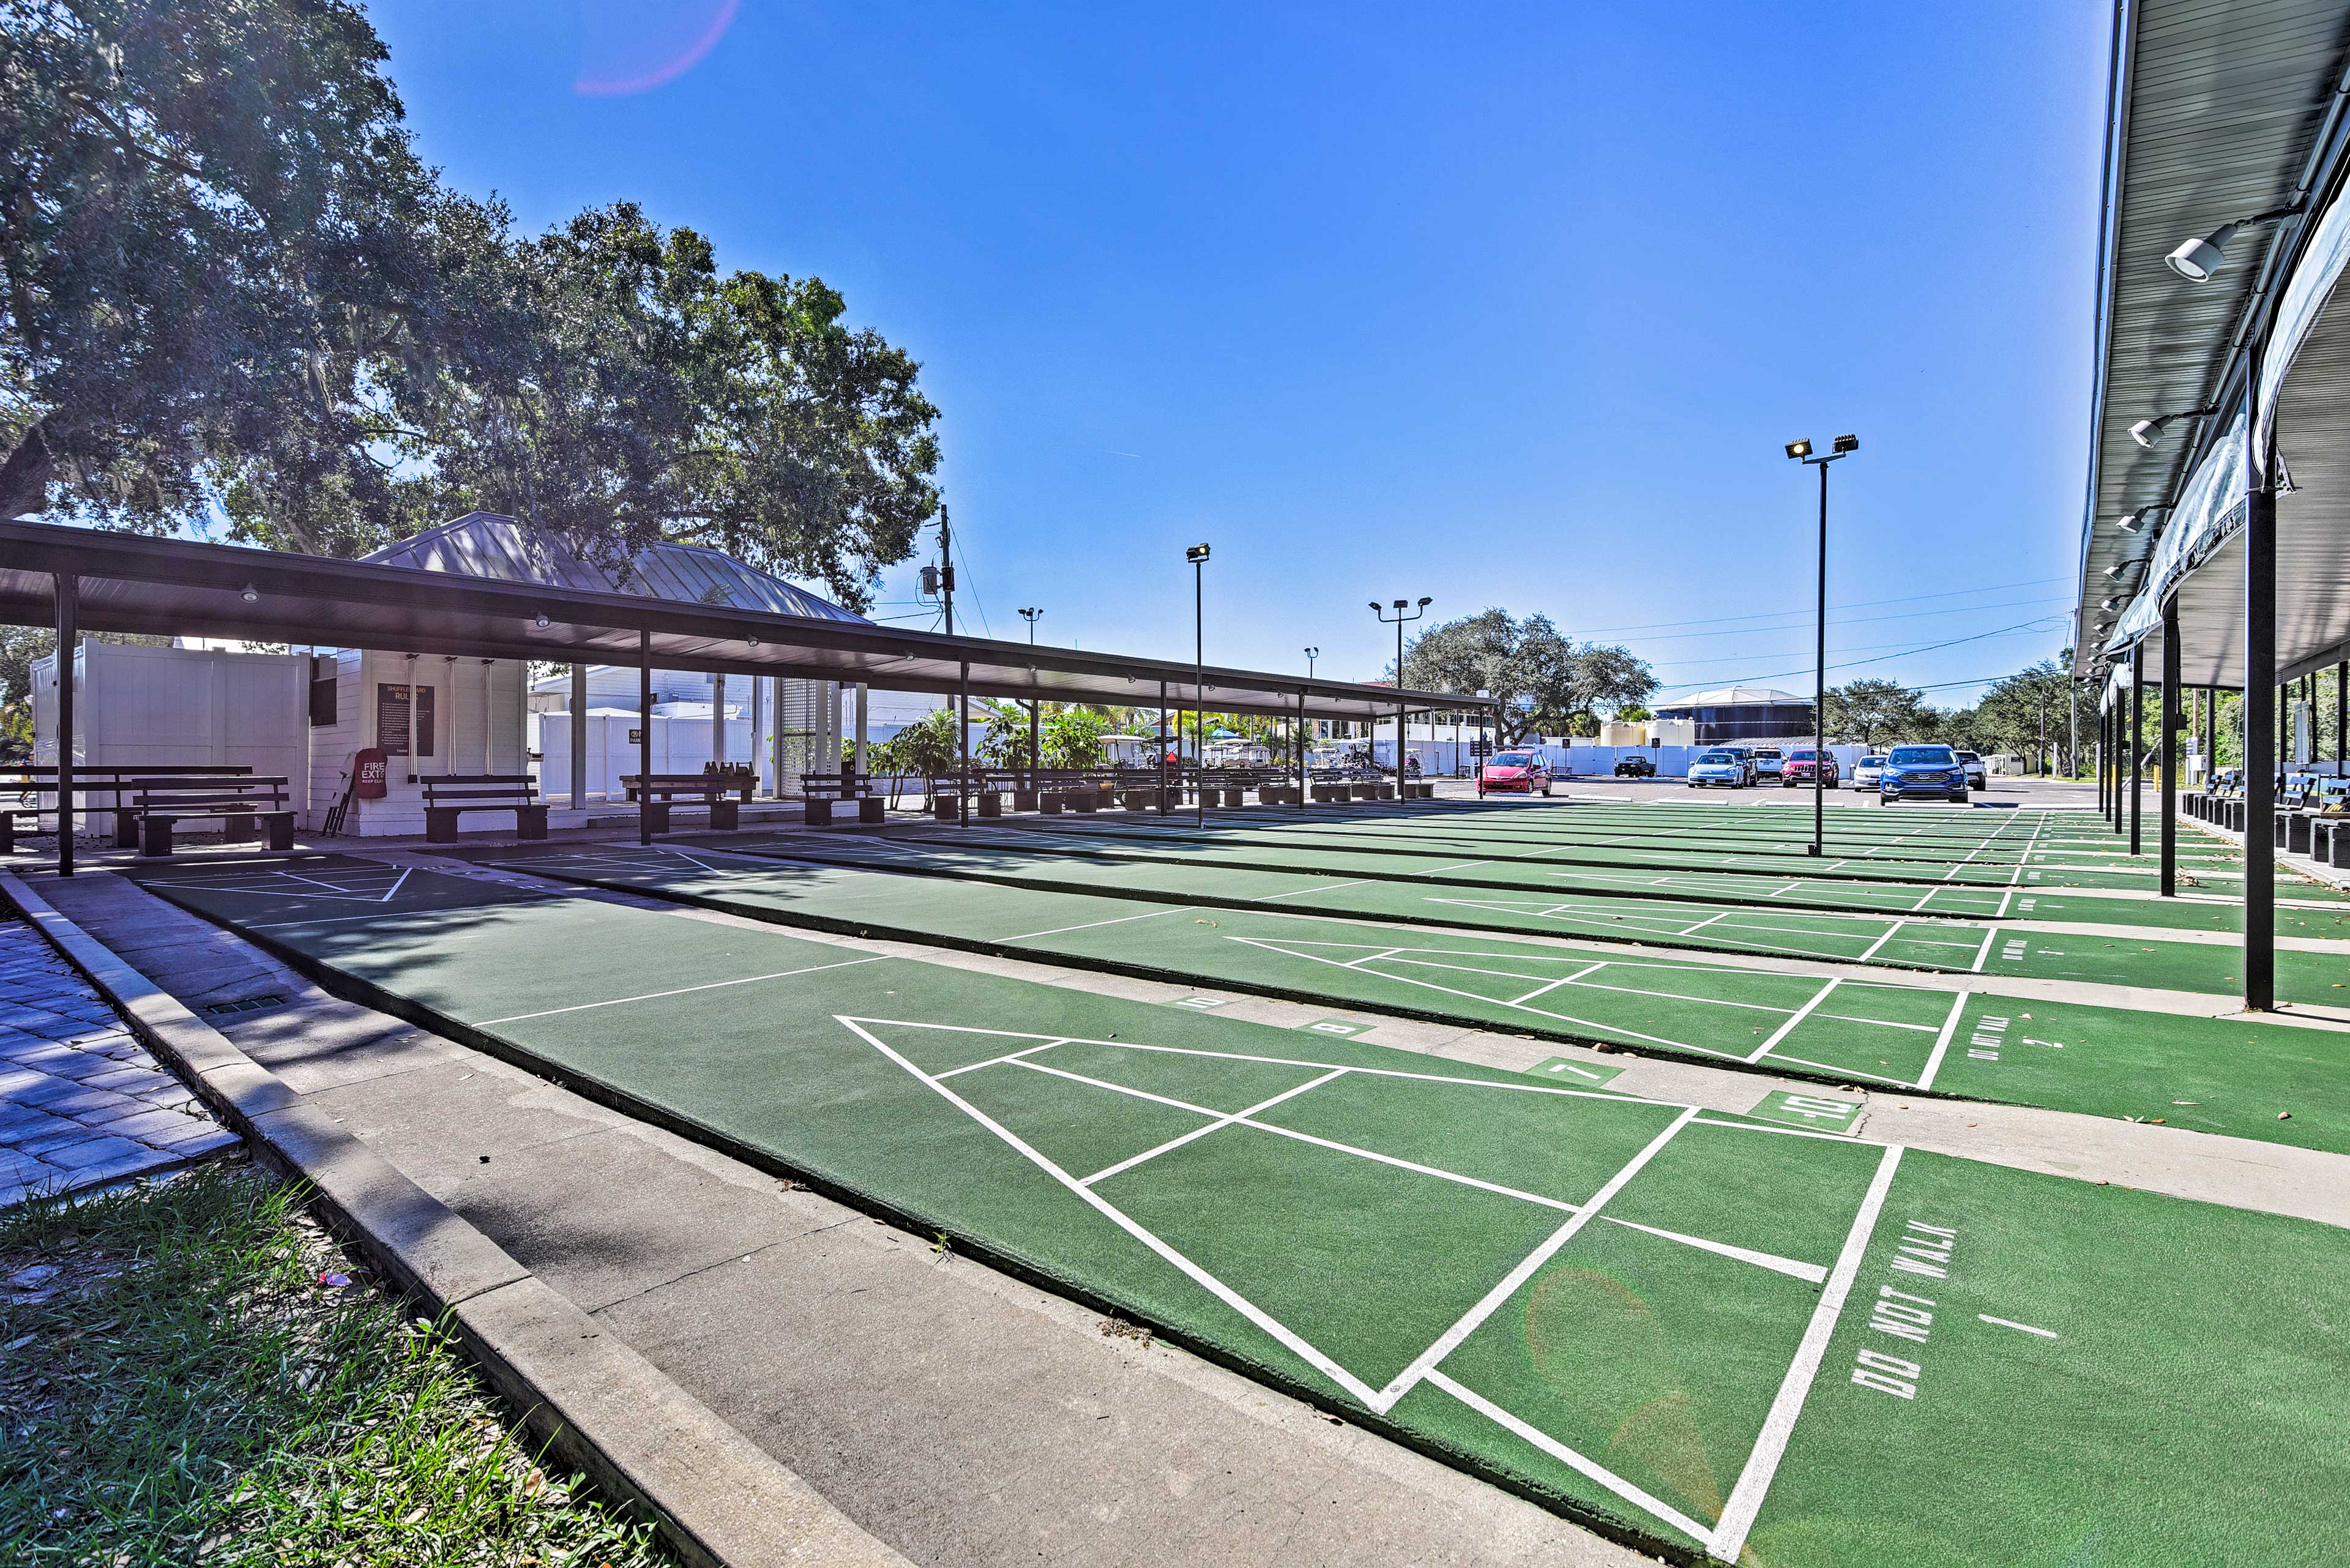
(1514,772)
(1923,770)
(1803,763)
(1869,772)
(1748,772)
(1636,766)
(1973,764)
(1770,763)
(1725,768)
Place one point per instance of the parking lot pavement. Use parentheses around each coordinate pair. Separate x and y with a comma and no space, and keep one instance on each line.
(81,1102)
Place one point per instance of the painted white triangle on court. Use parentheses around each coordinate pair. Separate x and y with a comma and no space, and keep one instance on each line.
(1371,1397)
(329,894)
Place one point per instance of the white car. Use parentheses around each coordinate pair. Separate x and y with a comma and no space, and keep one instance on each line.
(1869,772)
(1725,768)
(1769,762)
(1976,776)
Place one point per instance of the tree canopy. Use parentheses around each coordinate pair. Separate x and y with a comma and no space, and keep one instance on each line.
(1880,713)
(1543,677)
(227,280)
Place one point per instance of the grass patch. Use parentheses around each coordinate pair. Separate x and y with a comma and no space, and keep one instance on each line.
(192,1384)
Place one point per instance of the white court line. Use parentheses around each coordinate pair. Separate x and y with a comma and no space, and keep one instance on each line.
(1181,1139)
(1990,936)
(1089,925)
(999,1061)
(1198,1275)
(680,991)
(1728,1539)
(1841,1071)
(1463,866)
(2023,1327)
(1811,1273)
(1552,985)
(1317,887)
(1942,1040)
(1799,1015)
(1870,951)
(1692,930)
(1494,1299)
(1569,1458)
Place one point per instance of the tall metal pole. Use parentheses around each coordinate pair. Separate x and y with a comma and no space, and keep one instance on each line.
(962,743)
(644,737)
(1036,705)
(2341,712)
(1199,685)
(2259,694)
(1300,800)
(1820,683)
(2136,742)
(1162,748)
(69,606)
(2168,802)
(1402,717)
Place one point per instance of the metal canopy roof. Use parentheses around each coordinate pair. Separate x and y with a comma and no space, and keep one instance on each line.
(2220,110)
(178,587)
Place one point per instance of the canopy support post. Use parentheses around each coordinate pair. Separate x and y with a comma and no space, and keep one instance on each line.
(2170,752)
(68,603)
(2136,743)
(644,737)
(2259,726)
(1162,748)
(962,743)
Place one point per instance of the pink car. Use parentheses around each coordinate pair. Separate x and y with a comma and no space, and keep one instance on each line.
(1514,772)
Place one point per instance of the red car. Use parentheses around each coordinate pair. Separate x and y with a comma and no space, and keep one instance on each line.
(1797,768)
(1514,772)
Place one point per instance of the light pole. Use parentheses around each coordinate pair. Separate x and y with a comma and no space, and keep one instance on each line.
(1402,620)
(1311,655)
(1198,555)
(1035,706)
(1844,446)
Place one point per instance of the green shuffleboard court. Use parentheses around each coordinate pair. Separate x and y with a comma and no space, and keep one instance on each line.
(2233,1077)
(1709,1335)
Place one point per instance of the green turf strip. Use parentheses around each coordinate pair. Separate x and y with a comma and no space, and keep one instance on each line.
(1031,852)
(2125,1063)
(2195,1406)
(1952,946)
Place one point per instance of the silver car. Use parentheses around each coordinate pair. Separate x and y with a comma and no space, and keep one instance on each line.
(1869,772)
(1976,775)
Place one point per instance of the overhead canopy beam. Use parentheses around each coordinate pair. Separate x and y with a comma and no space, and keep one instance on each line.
(135,583)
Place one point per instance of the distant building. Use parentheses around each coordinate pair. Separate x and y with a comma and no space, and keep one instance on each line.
(1740,713)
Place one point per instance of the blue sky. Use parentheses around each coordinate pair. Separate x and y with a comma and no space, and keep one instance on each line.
(1507,307)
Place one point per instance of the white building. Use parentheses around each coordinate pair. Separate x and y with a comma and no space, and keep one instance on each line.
(308,714)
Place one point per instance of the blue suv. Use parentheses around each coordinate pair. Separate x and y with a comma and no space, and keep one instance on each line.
(1924,770)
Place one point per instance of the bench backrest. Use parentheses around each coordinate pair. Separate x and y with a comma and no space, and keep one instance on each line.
(198,802)
(519,788)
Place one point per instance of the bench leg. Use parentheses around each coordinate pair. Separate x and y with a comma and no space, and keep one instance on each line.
(725,815)
(872,808)
(155,836)
(240,828)
(126,828)
(657,815)
(530,822)
(281,831)
(440,824)
(8,835)
(818,813)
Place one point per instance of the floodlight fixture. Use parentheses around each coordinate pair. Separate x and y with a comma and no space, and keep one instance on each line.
(2196,259)
(251,594)
(2147,431)
(540,621)
(1799,449)
(1845,443)
(1196,553)
(1425,603)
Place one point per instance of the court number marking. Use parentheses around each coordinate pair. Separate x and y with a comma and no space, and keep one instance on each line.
(1334,1026)
(1202,1003)
(1567,1069)
(1808,1110)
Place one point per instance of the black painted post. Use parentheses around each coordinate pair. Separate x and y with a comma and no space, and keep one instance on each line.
(962,743)
(68,603)
(2136,744)
(645,738)
(2341,712)
(1300,800)
(1162,748)
(2259,691)
(2170,752)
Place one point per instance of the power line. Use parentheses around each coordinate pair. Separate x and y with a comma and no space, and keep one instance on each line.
(2040,623)
(1858,603)
(1864,620)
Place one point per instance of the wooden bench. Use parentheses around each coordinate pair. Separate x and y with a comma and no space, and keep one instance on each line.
(821,792)
(448,796)
(2329,840)
(716,791)
(247,807)
(91,781)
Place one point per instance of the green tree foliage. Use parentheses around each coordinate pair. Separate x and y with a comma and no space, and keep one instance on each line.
(1880,714)
(2017,710)
(227,280)
(1073,738)
(1005,745)
(1542,677)
(927,746)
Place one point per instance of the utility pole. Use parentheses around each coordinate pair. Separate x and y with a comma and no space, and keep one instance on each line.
(1843,446)
(1035,706)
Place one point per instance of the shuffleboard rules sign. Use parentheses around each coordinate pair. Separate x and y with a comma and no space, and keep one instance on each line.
(1580,1075)
(1821,1113)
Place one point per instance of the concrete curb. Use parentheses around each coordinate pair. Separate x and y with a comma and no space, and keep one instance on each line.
(601,1409)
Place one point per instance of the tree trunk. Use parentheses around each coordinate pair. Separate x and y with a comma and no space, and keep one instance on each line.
(25,476)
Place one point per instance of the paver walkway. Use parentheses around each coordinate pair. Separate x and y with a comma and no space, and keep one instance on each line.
(81,1102)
